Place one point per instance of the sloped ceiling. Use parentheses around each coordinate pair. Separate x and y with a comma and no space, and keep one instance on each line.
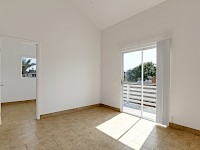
(105,13)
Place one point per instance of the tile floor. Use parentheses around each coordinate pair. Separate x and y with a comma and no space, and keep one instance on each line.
(92,129)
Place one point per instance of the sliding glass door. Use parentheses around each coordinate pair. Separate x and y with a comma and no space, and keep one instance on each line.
(149,83)
(132,93)
(139,83)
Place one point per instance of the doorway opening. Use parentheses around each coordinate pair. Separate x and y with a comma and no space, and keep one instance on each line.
(19,79)
(139,82)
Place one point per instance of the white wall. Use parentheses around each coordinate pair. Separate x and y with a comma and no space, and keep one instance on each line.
(15,87)
(69,63)
(178,19)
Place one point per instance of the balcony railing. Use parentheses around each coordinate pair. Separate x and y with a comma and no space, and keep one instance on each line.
(132,93)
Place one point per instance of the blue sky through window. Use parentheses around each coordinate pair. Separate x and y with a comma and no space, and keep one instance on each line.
(133,59)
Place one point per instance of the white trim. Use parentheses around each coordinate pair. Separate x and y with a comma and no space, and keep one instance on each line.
(142,86)
(38,81)
(138,47)
(122,79)
(25,40)
(142,44)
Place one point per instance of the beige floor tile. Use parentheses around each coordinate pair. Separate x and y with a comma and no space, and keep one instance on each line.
(42,145)
(159,132)
(91,129)
(149,142)
(194,147)
(22,140)
(19,148)
(4,145)
(169,146)
(195,144)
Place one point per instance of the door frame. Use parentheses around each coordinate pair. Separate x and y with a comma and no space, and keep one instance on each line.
(38,79)
(141,48)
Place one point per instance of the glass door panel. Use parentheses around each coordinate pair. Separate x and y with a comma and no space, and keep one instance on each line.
(149,84)
(132,100)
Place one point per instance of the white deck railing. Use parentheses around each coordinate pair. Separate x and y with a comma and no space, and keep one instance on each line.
(132,93)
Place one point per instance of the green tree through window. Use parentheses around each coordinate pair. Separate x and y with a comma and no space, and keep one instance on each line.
(28,67)
(134,75)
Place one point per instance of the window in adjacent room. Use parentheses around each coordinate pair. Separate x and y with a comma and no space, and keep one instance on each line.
(28,67)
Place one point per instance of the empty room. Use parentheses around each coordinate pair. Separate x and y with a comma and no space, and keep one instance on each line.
(99,74)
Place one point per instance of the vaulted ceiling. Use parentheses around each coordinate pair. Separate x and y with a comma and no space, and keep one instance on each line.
(105,13)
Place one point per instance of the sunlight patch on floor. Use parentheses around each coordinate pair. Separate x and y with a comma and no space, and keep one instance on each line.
(118,125)
(129,130)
